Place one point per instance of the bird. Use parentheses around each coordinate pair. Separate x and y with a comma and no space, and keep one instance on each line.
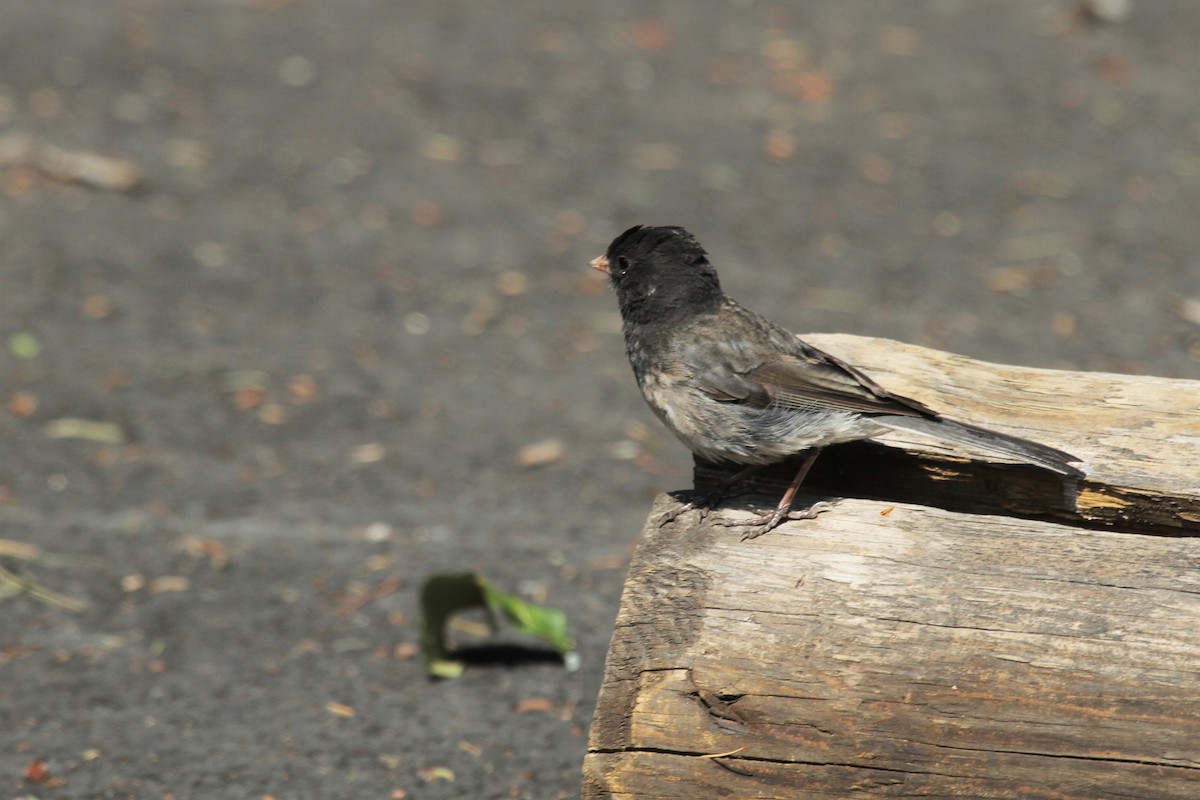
(737,388)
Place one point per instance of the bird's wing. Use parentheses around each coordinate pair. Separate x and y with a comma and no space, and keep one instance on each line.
(771,367)
(813,379)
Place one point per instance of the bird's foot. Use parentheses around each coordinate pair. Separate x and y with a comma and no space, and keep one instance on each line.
(764,523)
(680,510)
(704,503)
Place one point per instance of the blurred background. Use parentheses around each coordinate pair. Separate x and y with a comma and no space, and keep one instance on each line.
(295,311)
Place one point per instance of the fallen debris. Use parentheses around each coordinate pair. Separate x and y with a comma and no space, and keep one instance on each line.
(84,167)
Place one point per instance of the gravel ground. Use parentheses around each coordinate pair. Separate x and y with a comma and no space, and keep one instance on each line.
(352,291)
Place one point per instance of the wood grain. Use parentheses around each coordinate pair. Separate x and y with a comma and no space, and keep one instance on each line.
(912,647)
(1140,436)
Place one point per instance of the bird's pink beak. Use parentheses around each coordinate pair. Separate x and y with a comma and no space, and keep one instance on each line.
(600,263)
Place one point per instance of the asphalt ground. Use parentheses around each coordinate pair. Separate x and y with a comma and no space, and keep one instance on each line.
(351,292)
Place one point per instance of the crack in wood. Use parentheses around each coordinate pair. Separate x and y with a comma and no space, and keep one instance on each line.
(720,709)
(785,762)
(1071,756)
(878,768)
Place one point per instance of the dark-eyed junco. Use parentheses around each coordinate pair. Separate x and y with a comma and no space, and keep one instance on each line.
(735,387)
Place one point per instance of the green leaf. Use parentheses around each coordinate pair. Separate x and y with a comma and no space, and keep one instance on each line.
(24,345)
(549,624)
(92,430)
(443,596)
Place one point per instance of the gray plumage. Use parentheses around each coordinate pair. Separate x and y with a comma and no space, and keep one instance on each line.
(734,386)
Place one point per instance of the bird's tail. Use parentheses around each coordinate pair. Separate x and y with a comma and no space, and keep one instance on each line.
(976,438)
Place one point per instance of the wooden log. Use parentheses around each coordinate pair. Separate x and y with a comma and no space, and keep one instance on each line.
(951,629)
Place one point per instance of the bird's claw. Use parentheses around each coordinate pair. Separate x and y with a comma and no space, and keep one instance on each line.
(764,523)
(703,504)
(678,511)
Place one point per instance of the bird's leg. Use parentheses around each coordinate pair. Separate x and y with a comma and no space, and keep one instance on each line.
(709,499)
(767,522)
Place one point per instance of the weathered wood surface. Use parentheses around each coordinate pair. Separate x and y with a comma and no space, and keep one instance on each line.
(906,647)
(1139,435)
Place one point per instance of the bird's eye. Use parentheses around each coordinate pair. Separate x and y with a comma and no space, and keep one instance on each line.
(622,264)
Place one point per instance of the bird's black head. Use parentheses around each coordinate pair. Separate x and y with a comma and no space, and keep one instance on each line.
(660,274)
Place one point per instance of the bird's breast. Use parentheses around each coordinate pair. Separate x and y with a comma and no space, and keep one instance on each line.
(740,432)
(691,415)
